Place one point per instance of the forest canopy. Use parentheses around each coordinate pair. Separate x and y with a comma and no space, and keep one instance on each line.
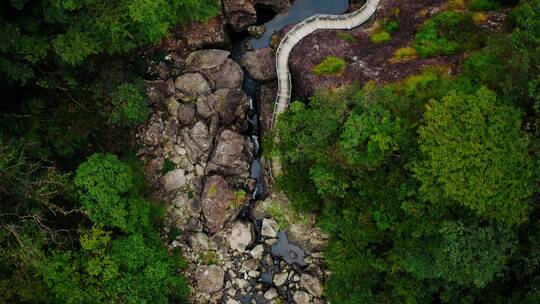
(76,223)
(428,186)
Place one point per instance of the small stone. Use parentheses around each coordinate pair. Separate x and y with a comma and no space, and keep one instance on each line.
(209,278)
(301,297)
(250,264)
(256,31)
(241,236)
(231,292)
(172,106)
(174,180)
(180,150)
(257,252)
(241,283)
(254,274)
(280,278)
(271,241)
(270,294)
(232,301)
(184,163)
(269,228)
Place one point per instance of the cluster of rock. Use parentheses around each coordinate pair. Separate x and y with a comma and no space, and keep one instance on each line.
(198,157)
(197,127)
(233,267)
(238,15)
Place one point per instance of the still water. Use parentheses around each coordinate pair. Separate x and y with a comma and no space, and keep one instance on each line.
(300,10)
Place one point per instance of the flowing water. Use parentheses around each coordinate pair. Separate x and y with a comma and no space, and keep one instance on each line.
(283,250)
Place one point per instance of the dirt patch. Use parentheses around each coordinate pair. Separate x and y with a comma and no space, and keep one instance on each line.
(365,60)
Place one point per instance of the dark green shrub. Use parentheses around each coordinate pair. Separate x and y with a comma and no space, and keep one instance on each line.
(445,34)
(168,166)
(129,105)
(391,26)
(484,5)
(347,37)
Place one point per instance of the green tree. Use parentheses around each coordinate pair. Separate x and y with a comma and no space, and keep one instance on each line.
(109,193)
(130,269)
(372,132)
(475,155)
(75,30)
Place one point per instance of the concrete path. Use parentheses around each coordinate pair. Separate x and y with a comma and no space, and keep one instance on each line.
(297,33)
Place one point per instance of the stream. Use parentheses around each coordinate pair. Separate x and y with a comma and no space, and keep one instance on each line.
(283,250)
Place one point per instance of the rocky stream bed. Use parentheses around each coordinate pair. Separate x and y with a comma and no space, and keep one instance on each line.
(212,96)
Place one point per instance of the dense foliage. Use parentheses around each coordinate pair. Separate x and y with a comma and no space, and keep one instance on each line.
(75,222)
(429,186)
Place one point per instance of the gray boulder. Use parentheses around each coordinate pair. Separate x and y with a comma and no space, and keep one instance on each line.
(174,180)
(186,114)
(228,75)
(205,59)
(191,85)
(197,141)
(242,236)
(232,155)
(301,297)
(230,105)
(216,201)
(261,64)
(209,278)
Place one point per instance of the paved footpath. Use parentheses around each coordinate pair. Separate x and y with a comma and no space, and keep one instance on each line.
(297,33)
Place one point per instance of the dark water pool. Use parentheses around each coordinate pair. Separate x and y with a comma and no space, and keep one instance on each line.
(300,10)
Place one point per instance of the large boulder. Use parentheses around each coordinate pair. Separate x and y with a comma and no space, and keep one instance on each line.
(205,59)
(174,180)
(216,201)
(197,141)
(242,236)
(232,155)
(209,278)
(312,284)
(230,104)
(228,75)
(207,34)
(278,6)
(261,64)
(191,85)
(239,13)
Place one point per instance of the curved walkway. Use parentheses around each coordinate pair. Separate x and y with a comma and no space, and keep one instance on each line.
(303,29)
(297,33)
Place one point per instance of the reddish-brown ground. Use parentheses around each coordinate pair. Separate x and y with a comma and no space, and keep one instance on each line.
(365,60)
